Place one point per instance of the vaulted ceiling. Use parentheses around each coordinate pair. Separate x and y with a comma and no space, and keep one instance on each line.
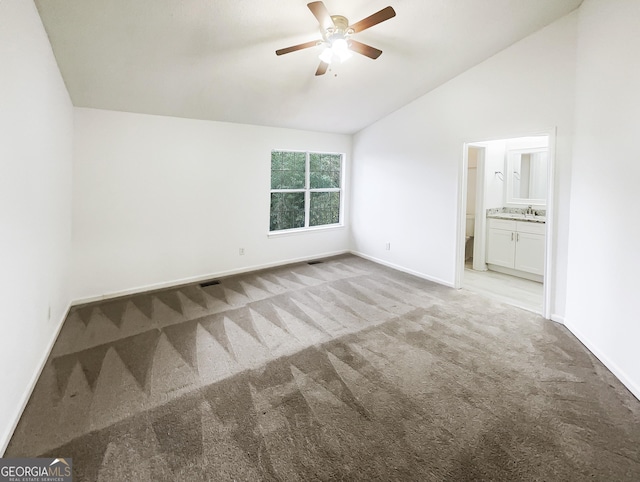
(215,59)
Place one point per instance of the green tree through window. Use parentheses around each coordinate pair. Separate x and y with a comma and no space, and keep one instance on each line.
(306,189)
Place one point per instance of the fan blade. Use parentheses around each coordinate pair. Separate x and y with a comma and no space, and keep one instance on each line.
(322,68)
(322,14)
(364,49)
(305,45)
(375,19)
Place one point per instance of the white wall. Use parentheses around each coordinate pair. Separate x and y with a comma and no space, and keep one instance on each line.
(495,152)
(604,262)
(406,166)
(161,199)
(36,146)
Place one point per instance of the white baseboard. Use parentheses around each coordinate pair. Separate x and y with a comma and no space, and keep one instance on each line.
(517,273)
(203,277)
(403,269)
(611,366)
(558,319)
(6,437)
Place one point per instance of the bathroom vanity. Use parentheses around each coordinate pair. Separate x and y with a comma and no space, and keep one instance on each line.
(516,244)
(515,240)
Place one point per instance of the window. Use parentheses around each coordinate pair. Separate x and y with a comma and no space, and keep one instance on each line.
(305,189)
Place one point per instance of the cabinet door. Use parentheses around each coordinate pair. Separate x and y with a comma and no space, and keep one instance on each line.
(530,253)
(501,247)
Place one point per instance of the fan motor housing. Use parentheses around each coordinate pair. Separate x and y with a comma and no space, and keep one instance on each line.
(339,30)
(341,23)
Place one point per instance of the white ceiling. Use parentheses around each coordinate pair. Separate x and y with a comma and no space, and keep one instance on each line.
(215,59)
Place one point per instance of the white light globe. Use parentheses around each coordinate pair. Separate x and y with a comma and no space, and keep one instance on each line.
(341,48)
(327,55)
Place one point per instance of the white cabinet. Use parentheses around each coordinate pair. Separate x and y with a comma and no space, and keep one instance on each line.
(501,247)
(529,253)
(517,245)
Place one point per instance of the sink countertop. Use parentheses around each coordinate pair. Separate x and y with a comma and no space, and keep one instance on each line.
(518,217)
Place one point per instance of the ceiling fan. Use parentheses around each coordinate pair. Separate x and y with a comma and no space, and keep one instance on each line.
(336,36)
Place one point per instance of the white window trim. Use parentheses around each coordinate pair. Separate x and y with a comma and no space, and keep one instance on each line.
(310,229)
(307,196)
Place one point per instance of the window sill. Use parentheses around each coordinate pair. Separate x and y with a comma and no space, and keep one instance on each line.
(292,232)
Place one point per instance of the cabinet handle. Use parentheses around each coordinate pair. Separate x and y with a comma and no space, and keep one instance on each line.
(517,237)
(512,236)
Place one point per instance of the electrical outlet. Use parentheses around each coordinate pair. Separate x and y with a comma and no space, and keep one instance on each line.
(387,246)
(241,251)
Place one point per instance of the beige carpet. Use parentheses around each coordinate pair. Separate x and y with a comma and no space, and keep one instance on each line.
(342,370)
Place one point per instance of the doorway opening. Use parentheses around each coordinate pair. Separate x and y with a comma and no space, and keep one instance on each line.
(504,220)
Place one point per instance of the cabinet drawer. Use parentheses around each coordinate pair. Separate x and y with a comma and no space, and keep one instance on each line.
(501,224)
(532,228)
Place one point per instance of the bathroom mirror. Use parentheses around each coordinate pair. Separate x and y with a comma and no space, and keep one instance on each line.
(526,177)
